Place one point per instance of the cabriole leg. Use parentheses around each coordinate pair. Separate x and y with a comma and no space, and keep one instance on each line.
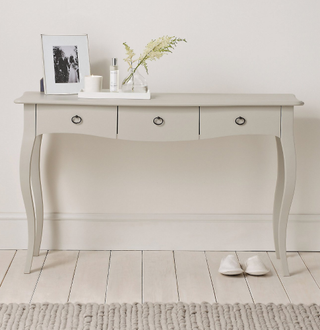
(289,166)
(278,196)
(37,193)
(25,168)
(25,177)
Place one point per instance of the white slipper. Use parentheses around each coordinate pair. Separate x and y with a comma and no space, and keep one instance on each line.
(254,266)
(230,266)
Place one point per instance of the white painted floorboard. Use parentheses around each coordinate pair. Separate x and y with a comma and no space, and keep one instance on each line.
(154,276)
(90,278)
(124,281)
(56,278)
(193,277)
(159,277)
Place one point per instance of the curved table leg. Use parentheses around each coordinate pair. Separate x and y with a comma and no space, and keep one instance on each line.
(289,180)
(278,196)
(25,176)
(37,193)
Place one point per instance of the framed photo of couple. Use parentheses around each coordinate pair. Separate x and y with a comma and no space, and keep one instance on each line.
(66,63)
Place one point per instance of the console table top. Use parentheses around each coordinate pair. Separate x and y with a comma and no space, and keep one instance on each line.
(168,99)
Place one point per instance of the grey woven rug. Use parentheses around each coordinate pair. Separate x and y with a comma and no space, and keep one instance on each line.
(149,316)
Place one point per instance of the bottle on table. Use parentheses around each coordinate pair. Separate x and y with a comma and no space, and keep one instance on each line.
(114,75)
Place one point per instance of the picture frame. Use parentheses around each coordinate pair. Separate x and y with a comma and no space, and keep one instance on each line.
(65,63)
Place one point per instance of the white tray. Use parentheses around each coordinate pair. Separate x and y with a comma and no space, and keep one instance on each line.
(106,94)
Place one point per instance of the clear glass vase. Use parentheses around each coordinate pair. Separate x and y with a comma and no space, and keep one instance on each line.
(134,83)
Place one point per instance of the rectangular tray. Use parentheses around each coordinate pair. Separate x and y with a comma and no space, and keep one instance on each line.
(106,94)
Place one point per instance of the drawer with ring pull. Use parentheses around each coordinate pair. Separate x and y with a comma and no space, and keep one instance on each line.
(158,123)
(225,121)
(98,121)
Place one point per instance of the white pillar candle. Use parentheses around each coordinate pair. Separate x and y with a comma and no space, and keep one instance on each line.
(92,83)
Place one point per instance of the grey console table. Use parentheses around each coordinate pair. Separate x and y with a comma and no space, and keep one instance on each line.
(165,117)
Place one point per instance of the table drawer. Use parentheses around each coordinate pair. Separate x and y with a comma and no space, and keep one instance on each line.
(158,123)
(99,121)
(224,121)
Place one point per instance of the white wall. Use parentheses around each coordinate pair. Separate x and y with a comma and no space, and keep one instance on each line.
(234,46)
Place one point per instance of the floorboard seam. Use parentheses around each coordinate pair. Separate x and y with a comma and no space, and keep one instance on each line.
(175,271)
(5,274)
(73,276)
(142,279)
(40,272)
(210,276)
(246,279)
(309,270)
(108,275)
(283,286)
(107,279)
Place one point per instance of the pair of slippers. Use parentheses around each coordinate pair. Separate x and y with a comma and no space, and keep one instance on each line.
(253,266)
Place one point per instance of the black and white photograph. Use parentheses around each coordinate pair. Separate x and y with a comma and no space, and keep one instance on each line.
(66,64)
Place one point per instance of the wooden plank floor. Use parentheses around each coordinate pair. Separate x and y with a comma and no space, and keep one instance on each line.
(154,276)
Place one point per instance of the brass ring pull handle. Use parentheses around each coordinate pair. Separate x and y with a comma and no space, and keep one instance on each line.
(76,119)
(158,121)
(240,121)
